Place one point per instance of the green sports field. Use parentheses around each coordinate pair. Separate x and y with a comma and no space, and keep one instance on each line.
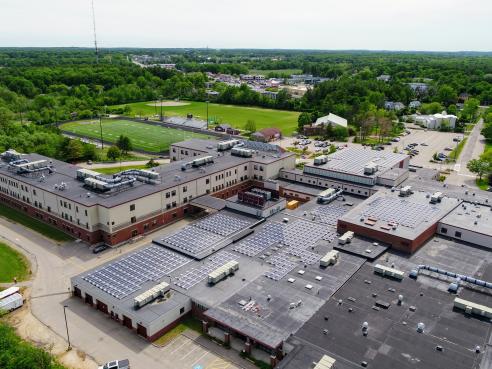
(234,115)
(144,136)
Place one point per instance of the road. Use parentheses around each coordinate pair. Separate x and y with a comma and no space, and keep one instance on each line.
(473,148)
(91,332)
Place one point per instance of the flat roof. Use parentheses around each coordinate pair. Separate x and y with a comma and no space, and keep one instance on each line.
(171,175)
(405,217)
(352,160)
(392,340)
(467,214)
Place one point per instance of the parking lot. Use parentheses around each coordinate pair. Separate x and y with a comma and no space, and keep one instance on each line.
(434,141)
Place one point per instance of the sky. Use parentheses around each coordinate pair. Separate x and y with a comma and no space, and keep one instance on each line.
(434,25)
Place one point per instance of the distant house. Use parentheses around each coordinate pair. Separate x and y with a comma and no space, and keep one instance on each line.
(331,119)
(419,87)
(271,94)
(414,104)
(384,78)
(267,134)
(394,105)
(463,97)
(435,121)
(318,127)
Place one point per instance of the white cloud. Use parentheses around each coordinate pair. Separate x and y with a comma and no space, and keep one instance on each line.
(319,24)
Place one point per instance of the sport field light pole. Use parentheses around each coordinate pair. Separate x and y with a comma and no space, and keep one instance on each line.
(160,99)
(207,115)
(66,326)
(101,130)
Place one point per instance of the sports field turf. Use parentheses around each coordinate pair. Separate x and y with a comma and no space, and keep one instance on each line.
(12,264)
(143,136)
(234,115)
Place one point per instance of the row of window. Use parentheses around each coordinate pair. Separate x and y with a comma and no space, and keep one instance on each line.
(457,234)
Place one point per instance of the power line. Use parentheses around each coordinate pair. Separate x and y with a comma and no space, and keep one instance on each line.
(94,26)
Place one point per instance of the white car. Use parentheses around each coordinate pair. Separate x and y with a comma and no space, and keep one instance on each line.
(116,364)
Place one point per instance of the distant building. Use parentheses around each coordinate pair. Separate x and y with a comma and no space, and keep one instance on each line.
(419,87)
(394,105)
(435,121)
(463,97)
(415,104)
(331,119)
(226,128)
(271,94)
(384,78)
(267,134)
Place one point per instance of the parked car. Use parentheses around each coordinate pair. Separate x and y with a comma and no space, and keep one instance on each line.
(116,364)
(489,189)
(448,149)
(424,144)
(100,248)
(89,162)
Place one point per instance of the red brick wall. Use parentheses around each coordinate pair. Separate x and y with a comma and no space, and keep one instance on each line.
(398,243)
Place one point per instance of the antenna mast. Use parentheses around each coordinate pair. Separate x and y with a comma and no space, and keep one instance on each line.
(94,26)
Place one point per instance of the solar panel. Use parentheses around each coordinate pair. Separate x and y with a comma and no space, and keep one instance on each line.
(194,276)
(125,276)
(222,224)
(328,214)
(269,235)
(400,211)
(281,266)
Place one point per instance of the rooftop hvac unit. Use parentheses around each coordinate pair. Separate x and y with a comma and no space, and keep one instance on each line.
(144,298)
(436,197)
(346,238)
(319,160)
(226,145)
(238,151)
(406,191)
(370,168)
(222,272)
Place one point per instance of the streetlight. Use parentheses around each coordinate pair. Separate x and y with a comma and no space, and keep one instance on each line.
(66,326)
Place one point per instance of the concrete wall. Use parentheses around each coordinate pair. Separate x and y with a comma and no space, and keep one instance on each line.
(467,235)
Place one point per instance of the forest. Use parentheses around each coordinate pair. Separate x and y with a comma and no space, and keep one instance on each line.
(49,85)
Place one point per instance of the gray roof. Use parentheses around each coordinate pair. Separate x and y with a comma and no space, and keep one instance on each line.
(467,214)
(75,190)
(352,160)
(412,215)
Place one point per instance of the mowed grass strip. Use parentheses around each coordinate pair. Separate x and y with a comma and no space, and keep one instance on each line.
(36,225)
(113,170)
(144,136)
(236,116)
(12,264)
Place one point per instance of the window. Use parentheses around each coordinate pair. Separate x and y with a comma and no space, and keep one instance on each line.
(457,234)
(245,167)
(49,209)
(207,181)
(85,212)
(76,209)
(181,311)
(133,219)
(185,188)
(168,195)
(34,192)
(173,193)
(444,230)
(168,206)
(132,207)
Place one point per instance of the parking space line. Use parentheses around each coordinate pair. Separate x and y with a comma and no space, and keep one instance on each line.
(189,352)
(177,348)
(200,358)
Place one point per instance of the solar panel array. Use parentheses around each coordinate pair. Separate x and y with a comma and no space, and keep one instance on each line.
(191,240)
(261,146)
(222,224)
(282,266)
(329,236)
(269,235)
(303,234)
(194,276)
(400,211)
(125,276)
(307,257)
(329,214)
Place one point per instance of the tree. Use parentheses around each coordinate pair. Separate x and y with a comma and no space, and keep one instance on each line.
(447,95)
(470,110)
(124,144)
(250,126)
(151,163)
(303,119)
(113,153)
(329,130)
(478,166)
(487,132)
(74,150)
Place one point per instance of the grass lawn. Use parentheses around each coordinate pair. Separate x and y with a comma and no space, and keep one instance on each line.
(188,323)
(234,115)
(40,227)
(143,136)
(455,153)
(116,169)
(483,184)
(102,156)
(12,264)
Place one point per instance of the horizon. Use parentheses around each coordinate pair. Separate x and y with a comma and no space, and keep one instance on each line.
(381,25)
